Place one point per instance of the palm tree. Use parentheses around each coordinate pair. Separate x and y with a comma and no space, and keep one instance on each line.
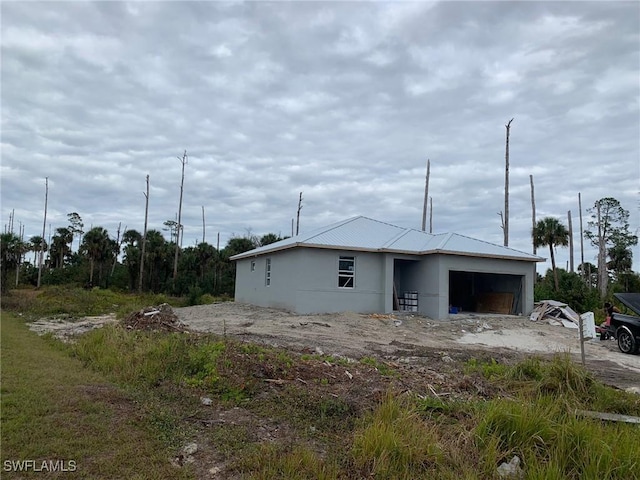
(96,244)
(60,244)
(549,231)
(38,244)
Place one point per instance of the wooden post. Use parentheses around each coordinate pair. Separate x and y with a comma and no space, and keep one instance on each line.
(44,226)
(581,325)
(533,213)
(144,237)
(505,220)
(426,197)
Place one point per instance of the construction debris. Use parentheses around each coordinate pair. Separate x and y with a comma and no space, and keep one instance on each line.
(555,313)
(160,318)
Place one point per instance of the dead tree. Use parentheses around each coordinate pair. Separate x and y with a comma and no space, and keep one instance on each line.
(144,236)
(298,214)
(533,213)
(584,273)
(44,228)
(426,197)
(203,224)
(183,160)
(505,221)
(430,214)
(118,247)
(570,241)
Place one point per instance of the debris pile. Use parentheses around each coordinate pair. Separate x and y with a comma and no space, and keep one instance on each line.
(160,318)
(556,313)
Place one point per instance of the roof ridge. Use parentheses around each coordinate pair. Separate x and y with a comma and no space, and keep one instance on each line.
(396,238)
(445,240)
(492,244)
(321,230)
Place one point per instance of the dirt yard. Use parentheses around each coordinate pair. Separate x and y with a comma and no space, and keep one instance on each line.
(402,337)
(411,338)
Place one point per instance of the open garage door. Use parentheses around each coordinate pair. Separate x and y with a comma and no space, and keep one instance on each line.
(486,292)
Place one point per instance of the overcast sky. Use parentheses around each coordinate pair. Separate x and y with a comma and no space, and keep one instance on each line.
(344,102)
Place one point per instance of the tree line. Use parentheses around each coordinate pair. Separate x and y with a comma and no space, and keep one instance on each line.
(107,262)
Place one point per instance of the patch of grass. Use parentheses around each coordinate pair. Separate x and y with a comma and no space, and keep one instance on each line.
(553,443)
(53,408)
(78,302)
(489,369)
(394,442)
(287,463)
(132,357)
(381,367)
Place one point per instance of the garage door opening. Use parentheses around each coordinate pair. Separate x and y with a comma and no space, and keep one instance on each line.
(486,292)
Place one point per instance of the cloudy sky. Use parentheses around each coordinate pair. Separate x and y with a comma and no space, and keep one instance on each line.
(343,101)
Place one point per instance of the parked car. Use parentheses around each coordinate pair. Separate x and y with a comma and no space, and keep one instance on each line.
(625,328)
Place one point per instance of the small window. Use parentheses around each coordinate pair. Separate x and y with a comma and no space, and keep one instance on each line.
(346,272)
(253,265)
(267,278)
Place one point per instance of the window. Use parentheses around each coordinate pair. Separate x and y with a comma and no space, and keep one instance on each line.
(267,278)
(346,272)
(253,265)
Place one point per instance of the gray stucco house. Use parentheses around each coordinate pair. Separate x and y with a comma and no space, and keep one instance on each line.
(367,266)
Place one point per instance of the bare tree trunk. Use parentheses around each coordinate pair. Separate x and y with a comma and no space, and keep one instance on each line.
(426,197)
(203,227)
(506,188)
(602,258)
(571,269)
(533,213)
(430,214)
(584,273)
(292,231)
(118,245)
(298,214)
(21,254)
(183,160)
(144,237)
(44,227)
(553,266)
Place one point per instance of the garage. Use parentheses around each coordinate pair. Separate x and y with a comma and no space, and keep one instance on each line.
(484,292)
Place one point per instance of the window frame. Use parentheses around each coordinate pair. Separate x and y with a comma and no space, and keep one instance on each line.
(253,265)
(347,277)
(267,272)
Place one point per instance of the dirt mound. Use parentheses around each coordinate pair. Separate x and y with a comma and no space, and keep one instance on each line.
(160,318)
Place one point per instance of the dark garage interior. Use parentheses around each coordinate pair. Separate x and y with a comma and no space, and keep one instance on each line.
(483,292)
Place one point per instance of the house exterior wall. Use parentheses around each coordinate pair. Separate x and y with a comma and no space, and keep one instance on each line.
(305,280)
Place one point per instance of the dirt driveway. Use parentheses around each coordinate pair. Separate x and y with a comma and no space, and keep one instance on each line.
(410,338)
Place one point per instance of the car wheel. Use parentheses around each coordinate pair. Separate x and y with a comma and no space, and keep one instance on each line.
(626,341)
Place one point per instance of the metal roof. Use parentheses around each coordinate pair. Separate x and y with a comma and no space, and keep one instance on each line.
(366,234)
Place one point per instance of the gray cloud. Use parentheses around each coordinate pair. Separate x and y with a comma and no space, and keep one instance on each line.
(343,101)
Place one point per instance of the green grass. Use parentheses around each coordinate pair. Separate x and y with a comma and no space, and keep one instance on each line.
(78,302)
(117,396)
(54,409)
